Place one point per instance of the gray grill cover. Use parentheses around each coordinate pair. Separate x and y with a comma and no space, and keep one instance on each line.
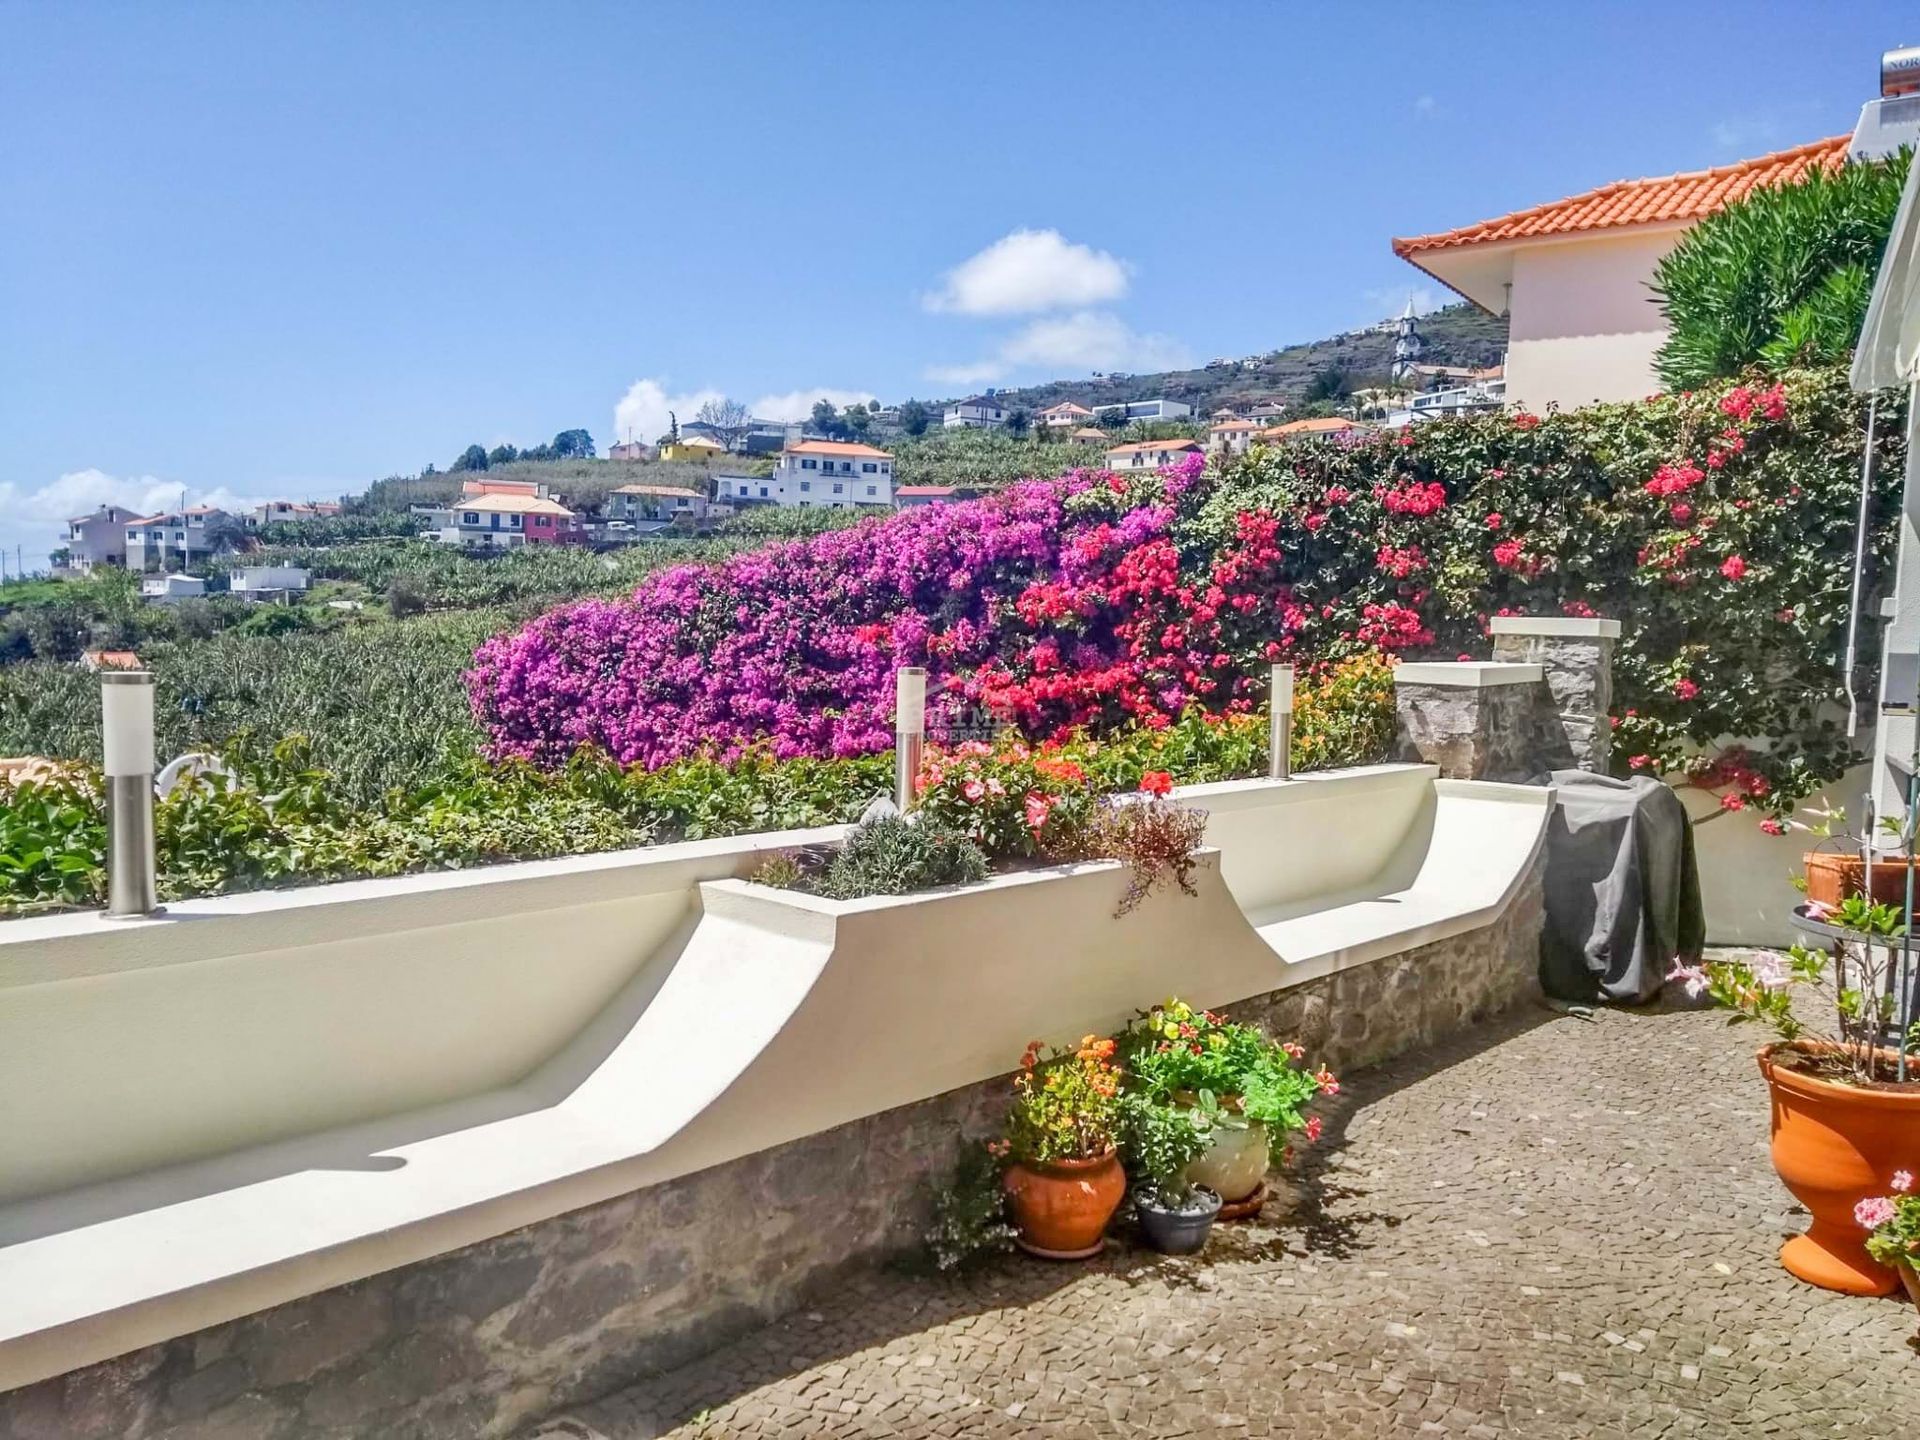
(1622,889)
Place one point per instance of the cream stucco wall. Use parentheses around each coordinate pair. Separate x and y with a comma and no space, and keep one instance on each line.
(1584,326)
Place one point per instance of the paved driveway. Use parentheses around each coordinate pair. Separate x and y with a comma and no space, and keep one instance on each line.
(1552,1228)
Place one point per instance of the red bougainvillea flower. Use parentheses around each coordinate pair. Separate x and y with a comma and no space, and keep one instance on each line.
(1507,554)
(1733,567)
(1685,689)
(1526,421)
(1494,520)
(1639,762)
(1156,782)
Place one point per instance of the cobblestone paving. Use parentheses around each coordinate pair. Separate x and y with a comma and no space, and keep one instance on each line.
(1552,1228)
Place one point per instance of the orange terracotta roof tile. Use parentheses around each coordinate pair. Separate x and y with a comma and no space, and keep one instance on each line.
(835,447)
(1689,196)
(1140,446)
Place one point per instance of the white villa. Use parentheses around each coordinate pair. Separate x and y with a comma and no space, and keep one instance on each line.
(1149,410)
(171,540)
(813,473)
(98,539)
(1149,454)
(1064,416)
(977,412)
(268,582)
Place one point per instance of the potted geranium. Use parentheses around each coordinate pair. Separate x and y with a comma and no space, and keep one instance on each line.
(1161,1141)
(1893,1226)
(1064,1179)
(1256,1090)
(1843,1116)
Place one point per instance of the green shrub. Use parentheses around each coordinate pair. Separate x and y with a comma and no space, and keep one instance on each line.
(896,856)
(1780,277)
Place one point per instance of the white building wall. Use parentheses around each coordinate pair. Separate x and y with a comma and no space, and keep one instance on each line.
(1584,323)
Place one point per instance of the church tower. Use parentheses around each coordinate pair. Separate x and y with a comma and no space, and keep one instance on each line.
(1408,346)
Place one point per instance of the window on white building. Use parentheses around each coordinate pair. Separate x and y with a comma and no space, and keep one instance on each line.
(806,485)
(838,487)
(873,490)
(470,518)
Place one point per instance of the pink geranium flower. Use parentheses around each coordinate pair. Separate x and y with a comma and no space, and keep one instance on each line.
(1872,1213)
(1902,1181)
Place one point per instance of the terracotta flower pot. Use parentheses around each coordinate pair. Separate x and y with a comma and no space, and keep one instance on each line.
(1061,1207)
(1835,1145)
(1910,1279)
(1836,875)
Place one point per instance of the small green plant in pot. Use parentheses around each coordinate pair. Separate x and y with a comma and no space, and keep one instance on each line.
(1258,1090)
(1161,1140)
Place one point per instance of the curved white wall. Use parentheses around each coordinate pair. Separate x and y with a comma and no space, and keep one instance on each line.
(282,1092)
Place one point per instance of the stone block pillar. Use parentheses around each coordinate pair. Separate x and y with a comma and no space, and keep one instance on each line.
(1577,656)
(1475,720)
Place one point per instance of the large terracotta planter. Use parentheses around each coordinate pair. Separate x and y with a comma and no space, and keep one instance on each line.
(1835,1145)
(1061,1207)
(1836,875)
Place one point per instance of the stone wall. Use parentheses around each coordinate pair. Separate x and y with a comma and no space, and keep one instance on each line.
(483,1341)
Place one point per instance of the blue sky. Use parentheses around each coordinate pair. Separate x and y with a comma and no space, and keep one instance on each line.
(282,250)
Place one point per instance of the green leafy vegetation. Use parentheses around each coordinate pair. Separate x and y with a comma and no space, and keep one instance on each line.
(894,856)
(1780,277)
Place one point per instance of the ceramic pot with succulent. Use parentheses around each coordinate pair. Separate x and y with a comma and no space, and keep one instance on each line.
(1161,1142)
(1064,1179)
(1846,1101)
(1256,1091)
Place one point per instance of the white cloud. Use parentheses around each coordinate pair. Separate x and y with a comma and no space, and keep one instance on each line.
(1387,302)
(1084,340)
(78,492)
(643,411)
(798,404)
(1027,271)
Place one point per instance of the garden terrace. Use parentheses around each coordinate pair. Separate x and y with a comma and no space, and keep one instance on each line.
(1541,1227)
(614,1095)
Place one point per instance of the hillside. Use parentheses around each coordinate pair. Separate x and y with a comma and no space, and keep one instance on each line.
(1457,335)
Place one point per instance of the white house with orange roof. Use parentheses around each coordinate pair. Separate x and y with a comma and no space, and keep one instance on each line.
(1149,454)
(502,516)
(1233,436)
(830,473)
(1573,275)
(1064,416)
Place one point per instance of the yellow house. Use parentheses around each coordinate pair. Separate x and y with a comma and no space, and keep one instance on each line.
(692,447)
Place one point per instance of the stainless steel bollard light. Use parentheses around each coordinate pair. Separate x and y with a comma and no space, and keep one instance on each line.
(909,732)
(1280,723)
(126,731)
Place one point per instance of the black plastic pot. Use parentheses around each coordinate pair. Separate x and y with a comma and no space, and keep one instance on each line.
(1176,1230)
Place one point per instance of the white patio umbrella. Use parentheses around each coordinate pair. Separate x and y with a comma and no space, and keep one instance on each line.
(1888,355)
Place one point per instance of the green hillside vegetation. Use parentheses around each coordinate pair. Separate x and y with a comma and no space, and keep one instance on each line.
(581,484)
(1457,335)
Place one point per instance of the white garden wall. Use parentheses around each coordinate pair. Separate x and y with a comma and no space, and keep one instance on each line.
(258,1097)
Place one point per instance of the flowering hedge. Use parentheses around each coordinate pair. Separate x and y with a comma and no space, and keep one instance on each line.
(1718,527)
